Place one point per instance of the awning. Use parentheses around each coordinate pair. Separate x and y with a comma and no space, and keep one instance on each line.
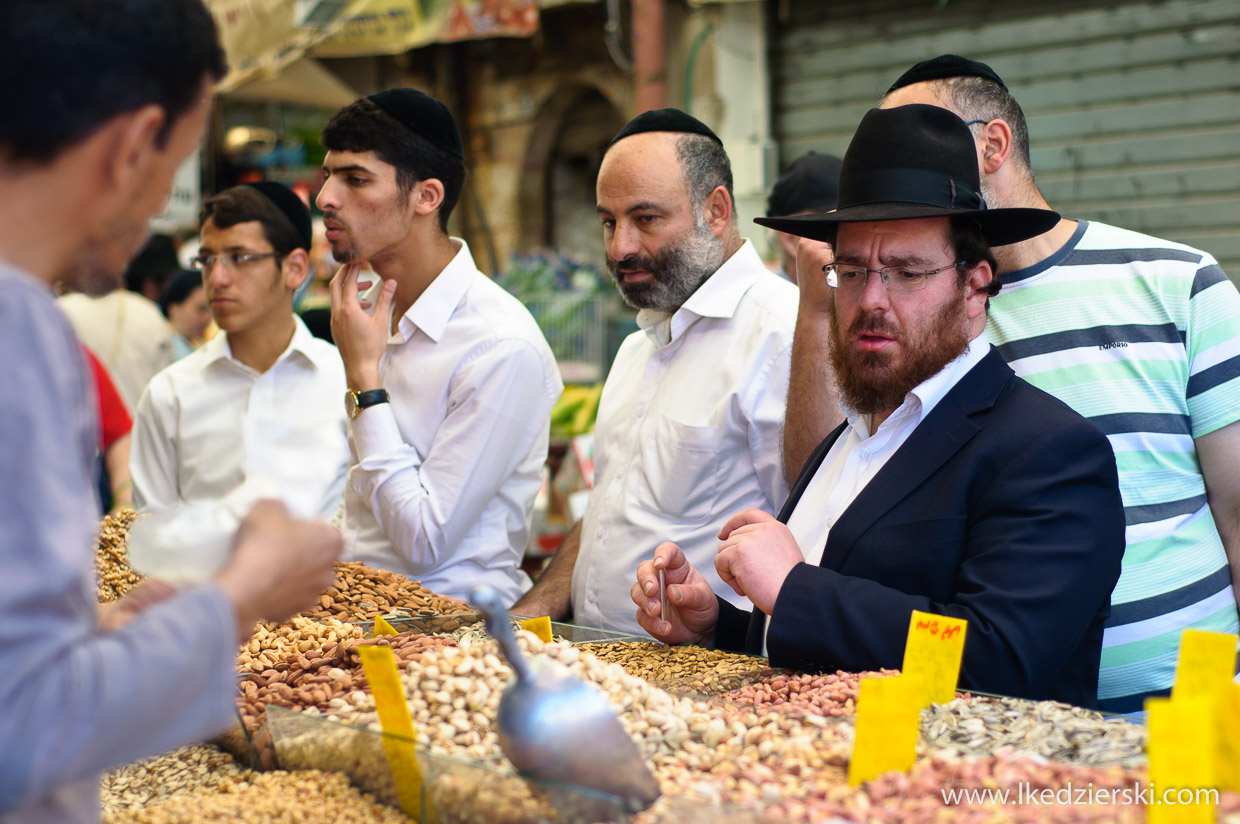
(261,37)
(303,82)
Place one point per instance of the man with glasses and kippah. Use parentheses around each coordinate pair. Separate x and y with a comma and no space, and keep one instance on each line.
(256,411)
(954,487)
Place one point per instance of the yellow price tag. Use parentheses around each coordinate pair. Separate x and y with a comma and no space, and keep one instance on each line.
(540,627)
(933,652)
(1181,752)
(1227,727)
(888,718)
(380,666)
(382,627)
(1206,664)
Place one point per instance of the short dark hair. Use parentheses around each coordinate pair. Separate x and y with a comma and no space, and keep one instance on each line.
(70,66)
(180,286)
(241,204)
(976,98)
(364,127)
(971,249)
(706,167)
(969,243)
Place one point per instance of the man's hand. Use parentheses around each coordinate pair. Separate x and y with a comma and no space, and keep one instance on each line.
(696,610)
(279,566)
(117,614)
(361,338)
(812,255)
(756,556)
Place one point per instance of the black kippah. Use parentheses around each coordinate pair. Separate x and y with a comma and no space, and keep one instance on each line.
(810,184)
(664,120)
(945,66)
(287,201)
(424,116)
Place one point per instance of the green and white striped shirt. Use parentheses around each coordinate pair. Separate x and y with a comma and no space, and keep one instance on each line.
(1142,337)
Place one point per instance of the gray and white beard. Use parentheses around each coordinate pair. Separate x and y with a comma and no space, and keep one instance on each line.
(677,271)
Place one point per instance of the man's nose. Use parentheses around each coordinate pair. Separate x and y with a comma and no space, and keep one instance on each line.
(326,201)
(624,242)
(874,292)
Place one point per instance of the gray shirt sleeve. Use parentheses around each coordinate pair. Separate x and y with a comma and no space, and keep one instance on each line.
(77,701)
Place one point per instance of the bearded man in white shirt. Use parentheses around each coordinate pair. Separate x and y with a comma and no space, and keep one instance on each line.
(451,382)
(255,411)
(690,419)
(954,487)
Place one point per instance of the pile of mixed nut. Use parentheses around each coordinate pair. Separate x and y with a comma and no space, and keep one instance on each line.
(728,738)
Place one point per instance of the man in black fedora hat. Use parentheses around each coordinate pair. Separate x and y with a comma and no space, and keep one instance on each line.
(1142,336)
(954,487)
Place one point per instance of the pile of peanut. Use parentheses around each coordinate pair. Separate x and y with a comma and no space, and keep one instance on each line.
(361,592)
(114,575)
(832,695)
(658,662)
(918,796)
(270,798)
(154,780)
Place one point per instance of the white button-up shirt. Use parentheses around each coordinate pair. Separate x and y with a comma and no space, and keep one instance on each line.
(858,455)
(688,434)
(210,428)
(442,484)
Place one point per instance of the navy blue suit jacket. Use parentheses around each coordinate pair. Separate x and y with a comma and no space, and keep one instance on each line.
(1002,507)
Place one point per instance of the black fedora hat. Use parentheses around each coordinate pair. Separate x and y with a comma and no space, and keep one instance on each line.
(912,162)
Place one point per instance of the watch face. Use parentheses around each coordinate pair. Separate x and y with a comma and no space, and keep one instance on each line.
(350,404)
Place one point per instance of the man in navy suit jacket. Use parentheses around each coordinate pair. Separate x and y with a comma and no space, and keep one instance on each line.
(954,487)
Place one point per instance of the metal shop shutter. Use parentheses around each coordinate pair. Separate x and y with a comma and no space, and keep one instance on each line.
(1133,107)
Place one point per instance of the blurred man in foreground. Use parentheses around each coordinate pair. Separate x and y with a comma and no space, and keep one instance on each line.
(94,128)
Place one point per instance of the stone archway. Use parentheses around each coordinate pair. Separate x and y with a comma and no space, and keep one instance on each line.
(561,163)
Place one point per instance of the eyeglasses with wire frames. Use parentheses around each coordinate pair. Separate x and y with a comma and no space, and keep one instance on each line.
(850,277)
(235,260)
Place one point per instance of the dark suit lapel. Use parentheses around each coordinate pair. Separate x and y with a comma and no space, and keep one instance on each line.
(808,471)
(947,428)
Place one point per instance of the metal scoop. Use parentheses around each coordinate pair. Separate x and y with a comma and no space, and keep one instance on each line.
(552,725)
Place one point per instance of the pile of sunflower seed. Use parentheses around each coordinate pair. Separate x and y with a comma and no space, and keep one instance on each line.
(983,725)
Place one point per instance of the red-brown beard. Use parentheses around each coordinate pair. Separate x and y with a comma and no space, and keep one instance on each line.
(872,382)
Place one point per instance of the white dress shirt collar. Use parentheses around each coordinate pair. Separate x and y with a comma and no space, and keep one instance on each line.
(431,311)
(717,297)
(926,395)
(218,348)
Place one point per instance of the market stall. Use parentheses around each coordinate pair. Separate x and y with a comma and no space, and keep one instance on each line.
(727,738)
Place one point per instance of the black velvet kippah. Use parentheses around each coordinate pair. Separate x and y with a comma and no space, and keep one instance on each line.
(811,183)
(288,202)
(424,116)
(945,66)
(664,120)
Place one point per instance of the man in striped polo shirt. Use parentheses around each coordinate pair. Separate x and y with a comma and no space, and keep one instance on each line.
(1142,337)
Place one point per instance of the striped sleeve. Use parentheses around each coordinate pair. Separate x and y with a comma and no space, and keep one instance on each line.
(1213,343)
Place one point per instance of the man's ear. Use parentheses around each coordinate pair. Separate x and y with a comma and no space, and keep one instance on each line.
(134,144)
(428,196)
(294,269)
(996,146)
(717,210)
(977,283)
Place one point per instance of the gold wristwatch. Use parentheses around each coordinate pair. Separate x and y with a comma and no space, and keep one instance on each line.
(355,402)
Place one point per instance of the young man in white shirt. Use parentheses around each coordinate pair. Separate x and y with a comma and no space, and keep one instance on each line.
(954,487)
(255,412)
(450,380)
(690,419)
